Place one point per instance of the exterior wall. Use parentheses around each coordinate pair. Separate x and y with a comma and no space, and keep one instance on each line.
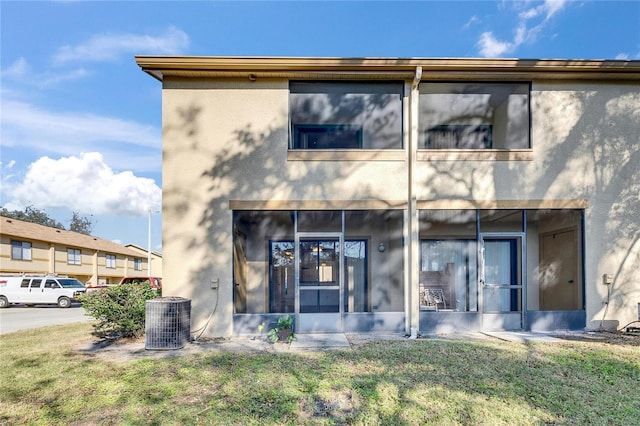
(226,140)
(39,257)
(156,262)
(585,147)
(124,268)
(47,258)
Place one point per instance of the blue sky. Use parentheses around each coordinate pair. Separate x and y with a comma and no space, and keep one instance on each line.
(81,124)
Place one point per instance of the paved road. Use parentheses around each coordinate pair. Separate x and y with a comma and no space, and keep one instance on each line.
(19,317)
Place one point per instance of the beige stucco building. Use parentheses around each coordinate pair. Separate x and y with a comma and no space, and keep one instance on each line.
(29,248)
(156,259)
(406,195)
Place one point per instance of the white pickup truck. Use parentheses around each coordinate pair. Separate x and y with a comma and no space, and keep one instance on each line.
(39,290)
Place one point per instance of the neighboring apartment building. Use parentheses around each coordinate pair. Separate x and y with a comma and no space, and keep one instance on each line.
(404,195)
(36,249)
(156,259)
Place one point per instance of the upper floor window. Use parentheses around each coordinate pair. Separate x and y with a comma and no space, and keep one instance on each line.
(345,115)
(20,250)
(111,261)
(74,257)
(474,116)
(137,264)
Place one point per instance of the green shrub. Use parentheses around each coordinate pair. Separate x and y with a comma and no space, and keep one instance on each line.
(120,310)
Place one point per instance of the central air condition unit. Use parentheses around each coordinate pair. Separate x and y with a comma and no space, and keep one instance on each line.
(167,323)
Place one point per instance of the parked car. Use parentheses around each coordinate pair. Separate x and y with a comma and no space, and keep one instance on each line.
(39,290)
(156,282)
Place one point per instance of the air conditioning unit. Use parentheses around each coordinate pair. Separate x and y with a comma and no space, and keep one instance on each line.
(167,323)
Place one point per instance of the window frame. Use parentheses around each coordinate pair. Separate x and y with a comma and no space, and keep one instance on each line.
(331,154)
(477,154)
(22,246)
(110,261)
(137,264)
(74,256)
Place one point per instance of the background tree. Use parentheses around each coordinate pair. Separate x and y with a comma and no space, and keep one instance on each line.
(81,224)
(33,215)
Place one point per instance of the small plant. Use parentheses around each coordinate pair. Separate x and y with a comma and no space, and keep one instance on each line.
(283,332)
(120,310)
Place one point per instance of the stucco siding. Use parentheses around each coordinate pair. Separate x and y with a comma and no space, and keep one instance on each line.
(227,140)
(590,149)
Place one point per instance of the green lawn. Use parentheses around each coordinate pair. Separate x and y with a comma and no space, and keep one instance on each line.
(45,380)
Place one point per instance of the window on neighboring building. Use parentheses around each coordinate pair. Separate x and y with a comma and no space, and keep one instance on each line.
(74,257)
(345,115)
(474,115)
(137,264)
(111,261)
(20,250)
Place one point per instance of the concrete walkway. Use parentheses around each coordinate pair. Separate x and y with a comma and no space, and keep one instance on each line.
(123,351)
(522,337)
(320,341)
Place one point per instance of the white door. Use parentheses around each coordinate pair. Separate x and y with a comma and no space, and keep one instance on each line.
(319,278)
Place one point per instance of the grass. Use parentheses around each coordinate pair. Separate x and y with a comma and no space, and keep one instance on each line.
(46,381)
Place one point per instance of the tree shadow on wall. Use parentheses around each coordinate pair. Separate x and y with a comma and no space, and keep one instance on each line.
(585,146)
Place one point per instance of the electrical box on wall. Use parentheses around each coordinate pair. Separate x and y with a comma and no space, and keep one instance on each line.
(215,283)
(607,279)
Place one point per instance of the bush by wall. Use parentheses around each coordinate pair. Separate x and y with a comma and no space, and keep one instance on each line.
(119,310)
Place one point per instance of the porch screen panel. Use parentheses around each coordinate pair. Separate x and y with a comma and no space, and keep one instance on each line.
(374,261)
(447,275)
(356,292)
(281,277)
(499,269)
(263,277)
(448,260)
(556,246)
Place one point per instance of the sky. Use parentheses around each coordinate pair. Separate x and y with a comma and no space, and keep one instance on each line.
(80,123)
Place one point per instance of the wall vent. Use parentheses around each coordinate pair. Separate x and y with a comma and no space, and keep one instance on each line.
(167,323)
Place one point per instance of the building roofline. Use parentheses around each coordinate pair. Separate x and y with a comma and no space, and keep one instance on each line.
(154,253)
(35,232)
(384,68)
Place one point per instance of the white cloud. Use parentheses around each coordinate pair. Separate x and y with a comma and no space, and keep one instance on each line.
(490,47)
(86,185)
(28,126)
(21,71)
(473,20)
(625,56)
(17,69)
(53,79)
(109,47)
(531,22)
